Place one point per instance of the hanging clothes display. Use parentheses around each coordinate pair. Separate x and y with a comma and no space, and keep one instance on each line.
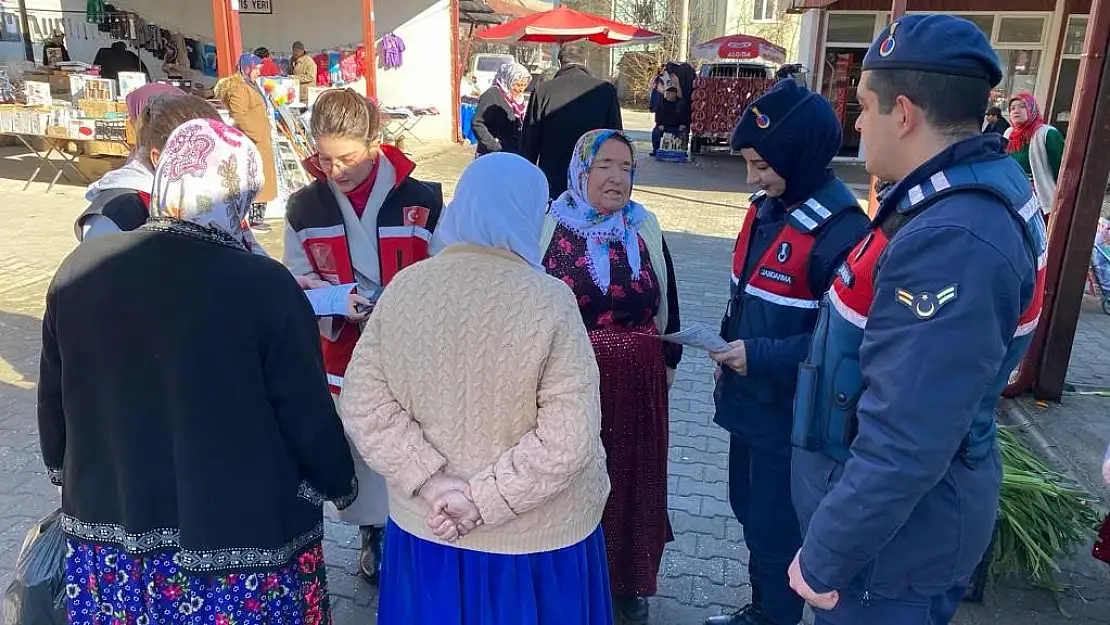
(322,76)
(94,11)
(351,67)
(335,72)
(392,49)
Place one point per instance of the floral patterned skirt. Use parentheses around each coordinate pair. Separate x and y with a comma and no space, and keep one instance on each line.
(107,586)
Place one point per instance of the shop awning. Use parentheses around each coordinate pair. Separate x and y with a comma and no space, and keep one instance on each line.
(799,6)
(477,13)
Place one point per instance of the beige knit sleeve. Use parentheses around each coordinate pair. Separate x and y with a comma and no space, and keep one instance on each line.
(567,433)
(386,437)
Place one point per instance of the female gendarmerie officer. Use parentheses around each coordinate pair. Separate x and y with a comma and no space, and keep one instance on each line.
(801,224)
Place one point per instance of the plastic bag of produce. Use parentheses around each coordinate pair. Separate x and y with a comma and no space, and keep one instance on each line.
(1102,543)
(36,593)
(1106,466)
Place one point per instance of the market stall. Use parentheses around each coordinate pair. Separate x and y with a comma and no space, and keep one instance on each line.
(67,113)
(737,69)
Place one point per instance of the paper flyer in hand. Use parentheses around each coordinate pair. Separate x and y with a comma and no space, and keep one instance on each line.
(700,337)
(330,301)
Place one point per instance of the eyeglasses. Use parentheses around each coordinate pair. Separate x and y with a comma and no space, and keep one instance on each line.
(344,163)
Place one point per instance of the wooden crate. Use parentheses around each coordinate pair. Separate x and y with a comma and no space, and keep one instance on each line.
(96,108)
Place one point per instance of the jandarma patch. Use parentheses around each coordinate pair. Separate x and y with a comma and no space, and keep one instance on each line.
(777,276)
(925,305)
(761,120)
(887,46)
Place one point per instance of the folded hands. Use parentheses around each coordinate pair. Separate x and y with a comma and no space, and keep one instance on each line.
(452,513)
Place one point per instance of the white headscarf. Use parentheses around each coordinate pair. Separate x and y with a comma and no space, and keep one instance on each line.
(508,75)
(499,203)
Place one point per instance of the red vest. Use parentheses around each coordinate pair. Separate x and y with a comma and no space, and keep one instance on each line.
(405,223)
(780,275)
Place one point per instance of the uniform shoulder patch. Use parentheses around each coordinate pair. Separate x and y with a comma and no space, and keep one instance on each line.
(926,305)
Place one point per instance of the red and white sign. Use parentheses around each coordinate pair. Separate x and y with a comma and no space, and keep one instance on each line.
(739,48)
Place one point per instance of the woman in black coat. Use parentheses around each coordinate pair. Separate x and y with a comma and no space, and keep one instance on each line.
(498,120)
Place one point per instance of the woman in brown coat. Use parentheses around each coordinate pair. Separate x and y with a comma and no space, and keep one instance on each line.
(247,107)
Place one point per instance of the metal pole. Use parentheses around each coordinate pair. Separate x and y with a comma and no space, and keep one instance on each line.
(456,72)
(1078,203)
(221,29)
(684,33)
(369,42)
(25,26)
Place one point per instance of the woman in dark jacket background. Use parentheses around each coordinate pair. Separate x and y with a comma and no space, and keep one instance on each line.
(498,120)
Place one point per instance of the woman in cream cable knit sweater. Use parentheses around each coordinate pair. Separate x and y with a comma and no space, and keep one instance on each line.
(474,392)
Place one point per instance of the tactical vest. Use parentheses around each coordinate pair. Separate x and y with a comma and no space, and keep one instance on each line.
(830,382)
(775,299)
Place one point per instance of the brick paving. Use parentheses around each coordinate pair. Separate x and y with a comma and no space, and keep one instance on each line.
(704,570)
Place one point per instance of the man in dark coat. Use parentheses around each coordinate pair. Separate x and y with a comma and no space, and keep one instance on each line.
(996,123)
(562,110)
(671,115)
(118,59)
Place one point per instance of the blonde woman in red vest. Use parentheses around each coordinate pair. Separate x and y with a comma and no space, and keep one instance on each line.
(360,222)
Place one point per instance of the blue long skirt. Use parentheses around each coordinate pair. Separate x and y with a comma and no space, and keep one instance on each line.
(425,583)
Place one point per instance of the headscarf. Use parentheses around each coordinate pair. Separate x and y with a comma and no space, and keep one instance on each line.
(572,209)
(135,174)
(208,175)
(507,75)
(1022,134)
(797,132)
(139,98)
(247,62)
(499,203)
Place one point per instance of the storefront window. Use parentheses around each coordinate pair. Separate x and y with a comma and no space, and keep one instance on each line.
(843,67)
(1013,30)
(1019,73)
(851,28)
(984,21)
(1076,33)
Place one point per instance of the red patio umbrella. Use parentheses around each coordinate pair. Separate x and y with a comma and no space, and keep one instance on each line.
(739,48)
(562,25)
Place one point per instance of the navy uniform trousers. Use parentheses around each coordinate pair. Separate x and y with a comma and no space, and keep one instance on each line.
(854,610)
(759,492)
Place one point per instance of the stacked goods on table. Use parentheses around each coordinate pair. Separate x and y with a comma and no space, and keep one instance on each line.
(718,103)
(90,110)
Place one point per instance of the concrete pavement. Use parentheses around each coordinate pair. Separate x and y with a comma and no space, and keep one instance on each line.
(704,571)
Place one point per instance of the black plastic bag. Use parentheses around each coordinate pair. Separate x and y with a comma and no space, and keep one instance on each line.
(36,595)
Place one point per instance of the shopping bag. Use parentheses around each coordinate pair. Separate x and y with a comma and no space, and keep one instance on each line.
(36,595)
(371,506)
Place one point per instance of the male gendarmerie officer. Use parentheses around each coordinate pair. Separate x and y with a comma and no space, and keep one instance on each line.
(800,226)
(896,475)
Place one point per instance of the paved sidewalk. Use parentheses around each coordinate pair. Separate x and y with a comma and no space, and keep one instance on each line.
(704,570)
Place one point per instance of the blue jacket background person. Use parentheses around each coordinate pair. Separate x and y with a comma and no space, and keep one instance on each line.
(800,226)
(897,474)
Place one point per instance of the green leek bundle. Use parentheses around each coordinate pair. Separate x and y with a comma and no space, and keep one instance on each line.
(1043,516)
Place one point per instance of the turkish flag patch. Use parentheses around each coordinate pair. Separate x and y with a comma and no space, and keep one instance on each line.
(416,216)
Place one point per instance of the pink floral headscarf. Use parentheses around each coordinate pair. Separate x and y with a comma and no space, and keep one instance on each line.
(208,175)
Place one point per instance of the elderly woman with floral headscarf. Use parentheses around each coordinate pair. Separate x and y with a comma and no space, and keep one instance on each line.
(498,119)
(610,251)
(474,392)
(184,410)
(1036,146)
(244,101)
